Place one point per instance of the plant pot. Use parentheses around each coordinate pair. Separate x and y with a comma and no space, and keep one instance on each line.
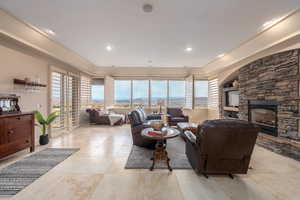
(44,139)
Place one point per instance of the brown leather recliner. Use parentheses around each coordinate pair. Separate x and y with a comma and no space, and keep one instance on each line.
(137,125)
(175,115)
(221,146)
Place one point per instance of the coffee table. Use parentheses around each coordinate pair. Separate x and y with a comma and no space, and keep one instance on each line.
(160,152)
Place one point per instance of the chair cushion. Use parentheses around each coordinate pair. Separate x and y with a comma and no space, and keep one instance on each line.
(175,112)
(177,118)
(143,114)
(140,114)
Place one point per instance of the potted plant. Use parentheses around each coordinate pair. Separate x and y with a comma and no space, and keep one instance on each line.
(44,124)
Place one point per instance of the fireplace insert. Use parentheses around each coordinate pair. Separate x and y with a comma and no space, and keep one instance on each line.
(264,114)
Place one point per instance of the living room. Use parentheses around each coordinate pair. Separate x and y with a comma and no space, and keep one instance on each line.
(149,99)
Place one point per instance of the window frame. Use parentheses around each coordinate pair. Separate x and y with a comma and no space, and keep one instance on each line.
(149,102)
(195,86)
(118,105)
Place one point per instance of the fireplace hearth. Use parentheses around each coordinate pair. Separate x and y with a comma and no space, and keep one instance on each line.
(264,114)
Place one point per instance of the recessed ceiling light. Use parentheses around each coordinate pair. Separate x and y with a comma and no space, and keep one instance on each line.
(147,8)
(221,55)
(188,49)
(108,48)
(272,22)
(49,31)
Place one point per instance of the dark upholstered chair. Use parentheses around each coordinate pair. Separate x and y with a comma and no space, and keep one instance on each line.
(221,146)
(137,125)
(175,115)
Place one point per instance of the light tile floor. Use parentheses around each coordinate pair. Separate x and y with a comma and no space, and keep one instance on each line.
(97,172)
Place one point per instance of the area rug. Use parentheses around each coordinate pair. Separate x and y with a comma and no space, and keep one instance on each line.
(139,157)
(20,174)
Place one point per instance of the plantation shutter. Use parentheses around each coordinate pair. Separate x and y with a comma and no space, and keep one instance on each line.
(73,100)
(64,100)
(189,92)
(85,92)
(213,94)
(58,100)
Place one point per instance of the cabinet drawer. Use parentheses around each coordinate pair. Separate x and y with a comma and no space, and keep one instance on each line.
(18,119)
(2,132)
(18,128)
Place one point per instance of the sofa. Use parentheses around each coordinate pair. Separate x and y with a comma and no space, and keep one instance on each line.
(221,146)
(175,115)
(139,121)
(98,117)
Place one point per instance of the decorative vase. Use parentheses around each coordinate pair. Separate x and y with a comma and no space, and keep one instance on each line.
(235,84)
(157,124)
(44,139)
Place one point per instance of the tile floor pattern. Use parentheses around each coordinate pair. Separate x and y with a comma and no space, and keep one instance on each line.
(97,172)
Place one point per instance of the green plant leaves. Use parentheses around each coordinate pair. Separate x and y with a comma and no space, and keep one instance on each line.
(40,118)
(51,118)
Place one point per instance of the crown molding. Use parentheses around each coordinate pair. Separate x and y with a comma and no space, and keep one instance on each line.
(26,34)
(263,43)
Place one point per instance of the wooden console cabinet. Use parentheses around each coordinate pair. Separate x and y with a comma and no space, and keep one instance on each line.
(16,133)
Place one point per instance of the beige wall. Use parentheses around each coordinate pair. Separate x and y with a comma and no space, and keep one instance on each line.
(109,91)
(18,65)
(212,114)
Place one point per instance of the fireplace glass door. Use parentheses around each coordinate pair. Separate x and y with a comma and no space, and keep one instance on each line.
(263,117)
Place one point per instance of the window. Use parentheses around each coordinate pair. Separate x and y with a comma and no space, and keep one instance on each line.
(123,93)
(159,93)
(58,99)
(176,93)
(98,94)
(201,93)
(140,93)
(65,100)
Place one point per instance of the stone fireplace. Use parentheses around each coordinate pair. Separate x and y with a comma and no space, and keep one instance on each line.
(264,114)
(270,97)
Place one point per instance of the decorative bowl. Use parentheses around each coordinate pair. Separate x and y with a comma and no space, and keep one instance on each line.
(157,124)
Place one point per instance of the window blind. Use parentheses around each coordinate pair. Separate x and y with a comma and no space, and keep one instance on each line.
(213,94)
(65,100)
(58,99)
(85,92)
(73,101)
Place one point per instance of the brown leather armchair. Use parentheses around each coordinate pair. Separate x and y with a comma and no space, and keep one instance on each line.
(137,125)
(175,115)
(221,146)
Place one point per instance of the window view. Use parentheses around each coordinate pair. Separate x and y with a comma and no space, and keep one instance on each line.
(123,93)
(171,93)
(140,93)
(159,93)
(176,93)
(201,93)
(98,95)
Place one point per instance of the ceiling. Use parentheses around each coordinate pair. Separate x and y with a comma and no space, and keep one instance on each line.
(157,39)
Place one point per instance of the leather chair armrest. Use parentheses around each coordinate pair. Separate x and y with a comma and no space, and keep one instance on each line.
(191,137)
(137,129)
